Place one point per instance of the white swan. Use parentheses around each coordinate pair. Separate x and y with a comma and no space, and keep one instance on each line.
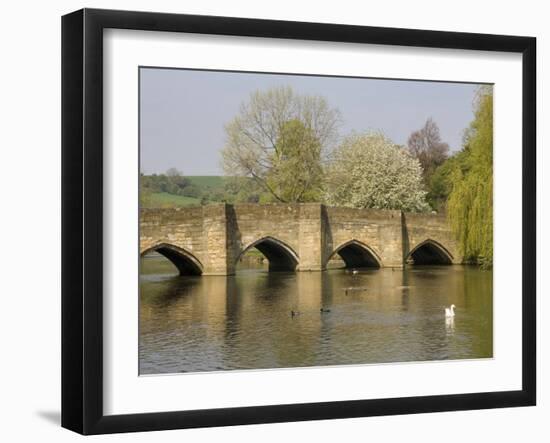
(450,312)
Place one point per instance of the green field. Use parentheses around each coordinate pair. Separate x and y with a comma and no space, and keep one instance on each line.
(211,189)
(206,181)
(163,199)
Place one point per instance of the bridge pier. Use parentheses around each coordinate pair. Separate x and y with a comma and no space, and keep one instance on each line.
(310,238)
(219,247)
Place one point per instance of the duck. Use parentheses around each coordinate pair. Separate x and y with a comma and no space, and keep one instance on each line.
(355,271)
(450,312)
(294,313)
(324,310)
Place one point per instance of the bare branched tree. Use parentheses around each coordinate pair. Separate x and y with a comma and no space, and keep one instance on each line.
(173,172)
(427,147)
(257,140)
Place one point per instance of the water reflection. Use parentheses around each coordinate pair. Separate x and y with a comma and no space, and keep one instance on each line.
(190,324)
(450,325)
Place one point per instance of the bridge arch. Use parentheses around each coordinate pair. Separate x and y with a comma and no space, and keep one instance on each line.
(281,257)
(356,254)
(430,252)
(186,262)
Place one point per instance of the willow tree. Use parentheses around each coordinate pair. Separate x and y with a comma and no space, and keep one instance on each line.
(280,139)
(370,171)
(470,205)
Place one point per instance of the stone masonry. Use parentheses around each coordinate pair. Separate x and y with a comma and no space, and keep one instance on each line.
(210,239)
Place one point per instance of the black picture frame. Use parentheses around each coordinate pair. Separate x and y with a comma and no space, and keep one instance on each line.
(82,218)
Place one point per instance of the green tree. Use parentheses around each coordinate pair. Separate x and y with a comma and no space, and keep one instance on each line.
(441,183)
(470,206)
(241,190)
(370,171)
(275,131)
(191,191)
(173,172)
(296,174)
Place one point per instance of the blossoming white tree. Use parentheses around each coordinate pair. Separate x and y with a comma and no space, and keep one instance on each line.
(370,171)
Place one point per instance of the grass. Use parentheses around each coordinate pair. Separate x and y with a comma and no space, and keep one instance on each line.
(160,199)
(203,181)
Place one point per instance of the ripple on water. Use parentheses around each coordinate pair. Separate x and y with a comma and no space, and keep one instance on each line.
(190,324)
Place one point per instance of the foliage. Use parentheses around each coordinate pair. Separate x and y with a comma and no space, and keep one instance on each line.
(173,172)
(242,190)
(164,190)
(172,182)
(296,174)
(274,130)
(191,191)
(427,147)
(470,206)
(169,189)
(213,195)
(370,171)
(441,184)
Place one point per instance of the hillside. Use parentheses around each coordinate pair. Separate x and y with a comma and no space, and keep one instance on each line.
(166,190)
(160,190)
(206,181)
(164,199)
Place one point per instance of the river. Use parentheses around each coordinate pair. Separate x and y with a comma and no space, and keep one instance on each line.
(245,321)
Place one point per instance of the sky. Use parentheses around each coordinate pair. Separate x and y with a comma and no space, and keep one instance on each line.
(183,112)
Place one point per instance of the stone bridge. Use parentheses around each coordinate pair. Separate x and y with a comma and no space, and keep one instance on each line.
(211,239)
